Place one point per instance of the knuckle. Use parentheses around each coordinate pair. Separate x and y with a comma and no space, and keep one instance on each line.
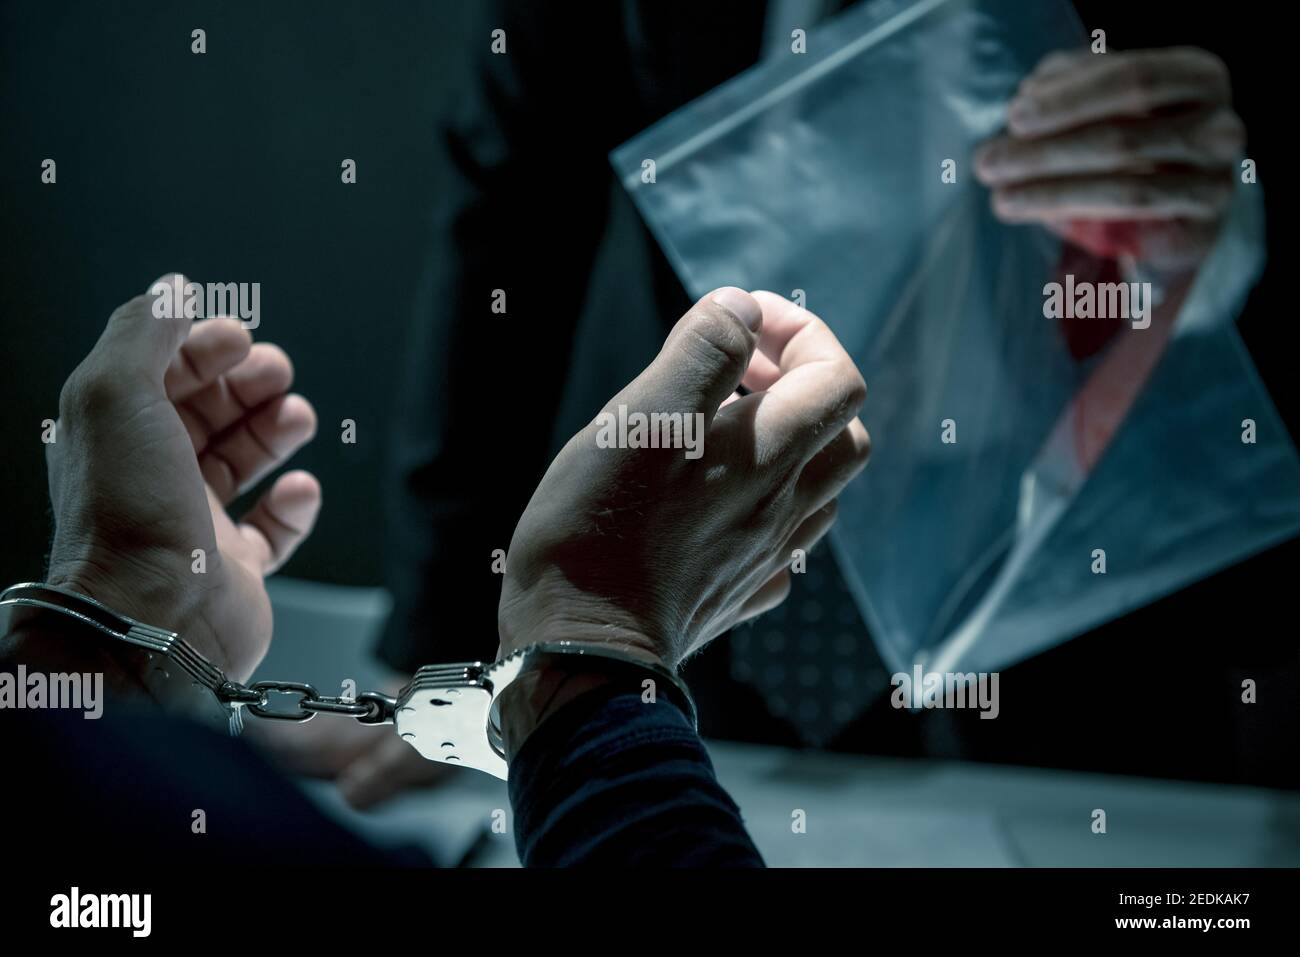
(311,419)
(1222,134)
(141,305)
(1211,66)
(863,448)
(271,356)
(720,339)
(855,387)
(1207,72)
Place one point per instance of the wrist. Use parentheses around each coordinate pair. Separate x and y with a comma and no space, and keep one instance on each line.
(550,681)
(519,626)
(57,629)
(152,599)
(51,643)
(536,695)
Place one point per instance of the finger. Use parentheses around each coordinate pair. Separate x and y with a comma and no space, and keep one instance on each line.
(782,322)
(213,347)
(1136,83)
(818,392)
(1055,63)
(770,594)
(761,374)
(1204,139)
(141,338)
(811,531)
(1192,195)
(833,467)
(777,587)
(256,445)
(388,768)
(263,374)
(704,358)
(281,519)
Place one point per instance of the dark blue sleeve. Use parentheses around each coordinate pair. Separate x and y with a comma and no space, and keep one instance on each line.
(611,781)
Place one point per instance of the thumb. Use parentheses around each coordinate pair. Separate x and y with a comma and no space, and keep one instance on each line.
(143,334)
(704,357)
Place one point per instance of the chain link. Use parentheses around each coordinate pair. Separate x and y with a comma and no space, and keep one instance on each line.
(369,707)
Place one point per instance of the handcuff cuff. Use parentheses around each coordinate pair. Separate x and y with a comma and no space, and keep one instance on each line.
(448,712)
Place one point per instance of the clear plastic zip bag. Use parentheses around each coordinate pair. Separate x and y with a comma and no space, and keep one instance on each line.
(819,174)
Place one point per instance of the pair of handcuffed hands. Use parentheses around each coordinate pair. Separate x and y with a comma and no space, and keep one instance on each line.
(166,421)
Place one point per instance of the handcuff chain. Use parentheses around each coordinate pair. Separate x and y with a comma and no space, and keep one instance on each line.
(369,707)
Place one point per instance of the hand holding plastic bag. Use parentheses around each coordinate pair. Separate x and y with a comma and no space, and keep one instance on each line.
(845,175)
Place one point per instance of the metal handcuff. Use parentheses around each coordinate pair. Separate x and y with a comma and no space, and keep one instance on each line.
(448,712)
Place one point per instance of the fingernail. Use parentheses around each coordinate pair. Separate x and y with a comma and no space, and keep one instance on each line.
(741,305)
